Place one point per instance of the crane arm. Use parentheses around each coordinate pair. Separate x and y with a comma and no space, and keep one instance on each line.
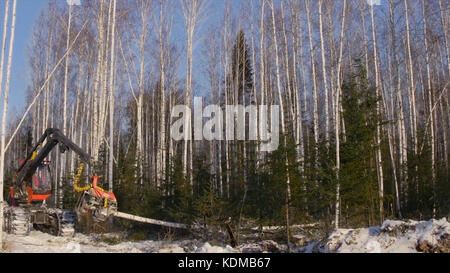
(38,154)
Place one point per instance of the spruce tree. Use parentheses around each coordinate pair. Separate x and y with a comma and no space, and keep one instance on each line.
(241,70)
(358,174)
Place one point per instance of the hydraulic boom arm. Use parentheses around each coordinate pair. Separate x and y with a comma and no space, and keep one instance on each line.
(37,155)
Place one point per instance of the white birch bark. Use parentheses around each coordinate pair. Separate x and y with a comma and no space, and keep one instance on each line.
(65,110)
(2,61)
(401,128)
(412,89)
(391,132)
(111,101)
(365,42)
(191,11)
(226,40)
(95,119)
(337,118)
(430,106)
(315,96)
(104,102)
(255,95)
(74,124)
(444,25)
(47,88)
(378,134)
(290,98)
(332,60)
(5,111)
(162,145)
(324,75)
(298,109)
(283,122)
(140,102)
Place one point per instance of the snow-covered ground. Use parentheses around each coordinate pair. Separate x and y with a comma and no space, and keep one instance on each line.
(38,242)
(391,237)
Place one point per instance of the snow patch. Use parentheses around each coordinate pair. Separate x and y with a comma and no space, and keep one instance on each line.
(39,242)
(391,237)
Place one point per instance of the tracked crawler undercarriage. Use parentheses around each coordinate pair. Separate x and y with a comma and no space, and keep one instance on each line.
(57,222)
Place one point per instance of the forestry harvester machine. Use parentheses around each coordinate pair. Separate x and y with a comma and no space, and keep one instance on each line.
(28,195)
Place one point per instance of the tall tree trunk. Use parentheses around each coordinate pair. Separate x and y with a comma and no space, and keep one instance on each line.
(226,40)
(301,111)
(191,11)
(283,123)
(47,87)
(5,111)
(104,102)
(365,42)
(2,61)
(140,102)
(290,97)
(402,137)
(412,89)
(254,92)
(162,145)
(430,106)
(95,120)
(332,58)
(74,125)
(378,134)
(444,25)
(65,132)
(391,132)
(324,75)
(445,129)
(111,100)
(299,140)
(315,97)
(337,118)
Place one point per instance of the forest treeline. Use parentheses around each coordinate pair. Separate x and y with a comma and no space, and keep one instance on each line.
(363,92)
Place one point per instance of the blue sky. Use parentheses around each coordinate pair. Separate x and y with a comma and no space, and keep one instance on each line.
(26,14)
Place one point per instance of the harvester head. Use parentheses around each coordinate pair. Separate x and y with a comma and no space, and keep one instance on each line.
(97,202)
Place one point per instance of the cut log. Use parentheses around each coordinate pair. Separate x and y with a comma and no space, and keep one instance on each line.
(149,221)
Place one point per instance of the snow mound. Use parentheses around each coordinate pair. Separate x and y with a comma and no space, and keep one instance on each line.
(392,237)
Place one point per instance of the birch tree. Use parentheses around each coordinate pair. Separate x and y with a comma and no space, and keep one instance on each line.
(4,113)
(324,75)
(314,79)
(95,120)
(337,117)
(378,134)
(145,8)
(283,121)
(430,106)
(444,25)
(163,32)
(2,60)
(65,106)
(192,11)
(296,47)
(111,100)
(412,87)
